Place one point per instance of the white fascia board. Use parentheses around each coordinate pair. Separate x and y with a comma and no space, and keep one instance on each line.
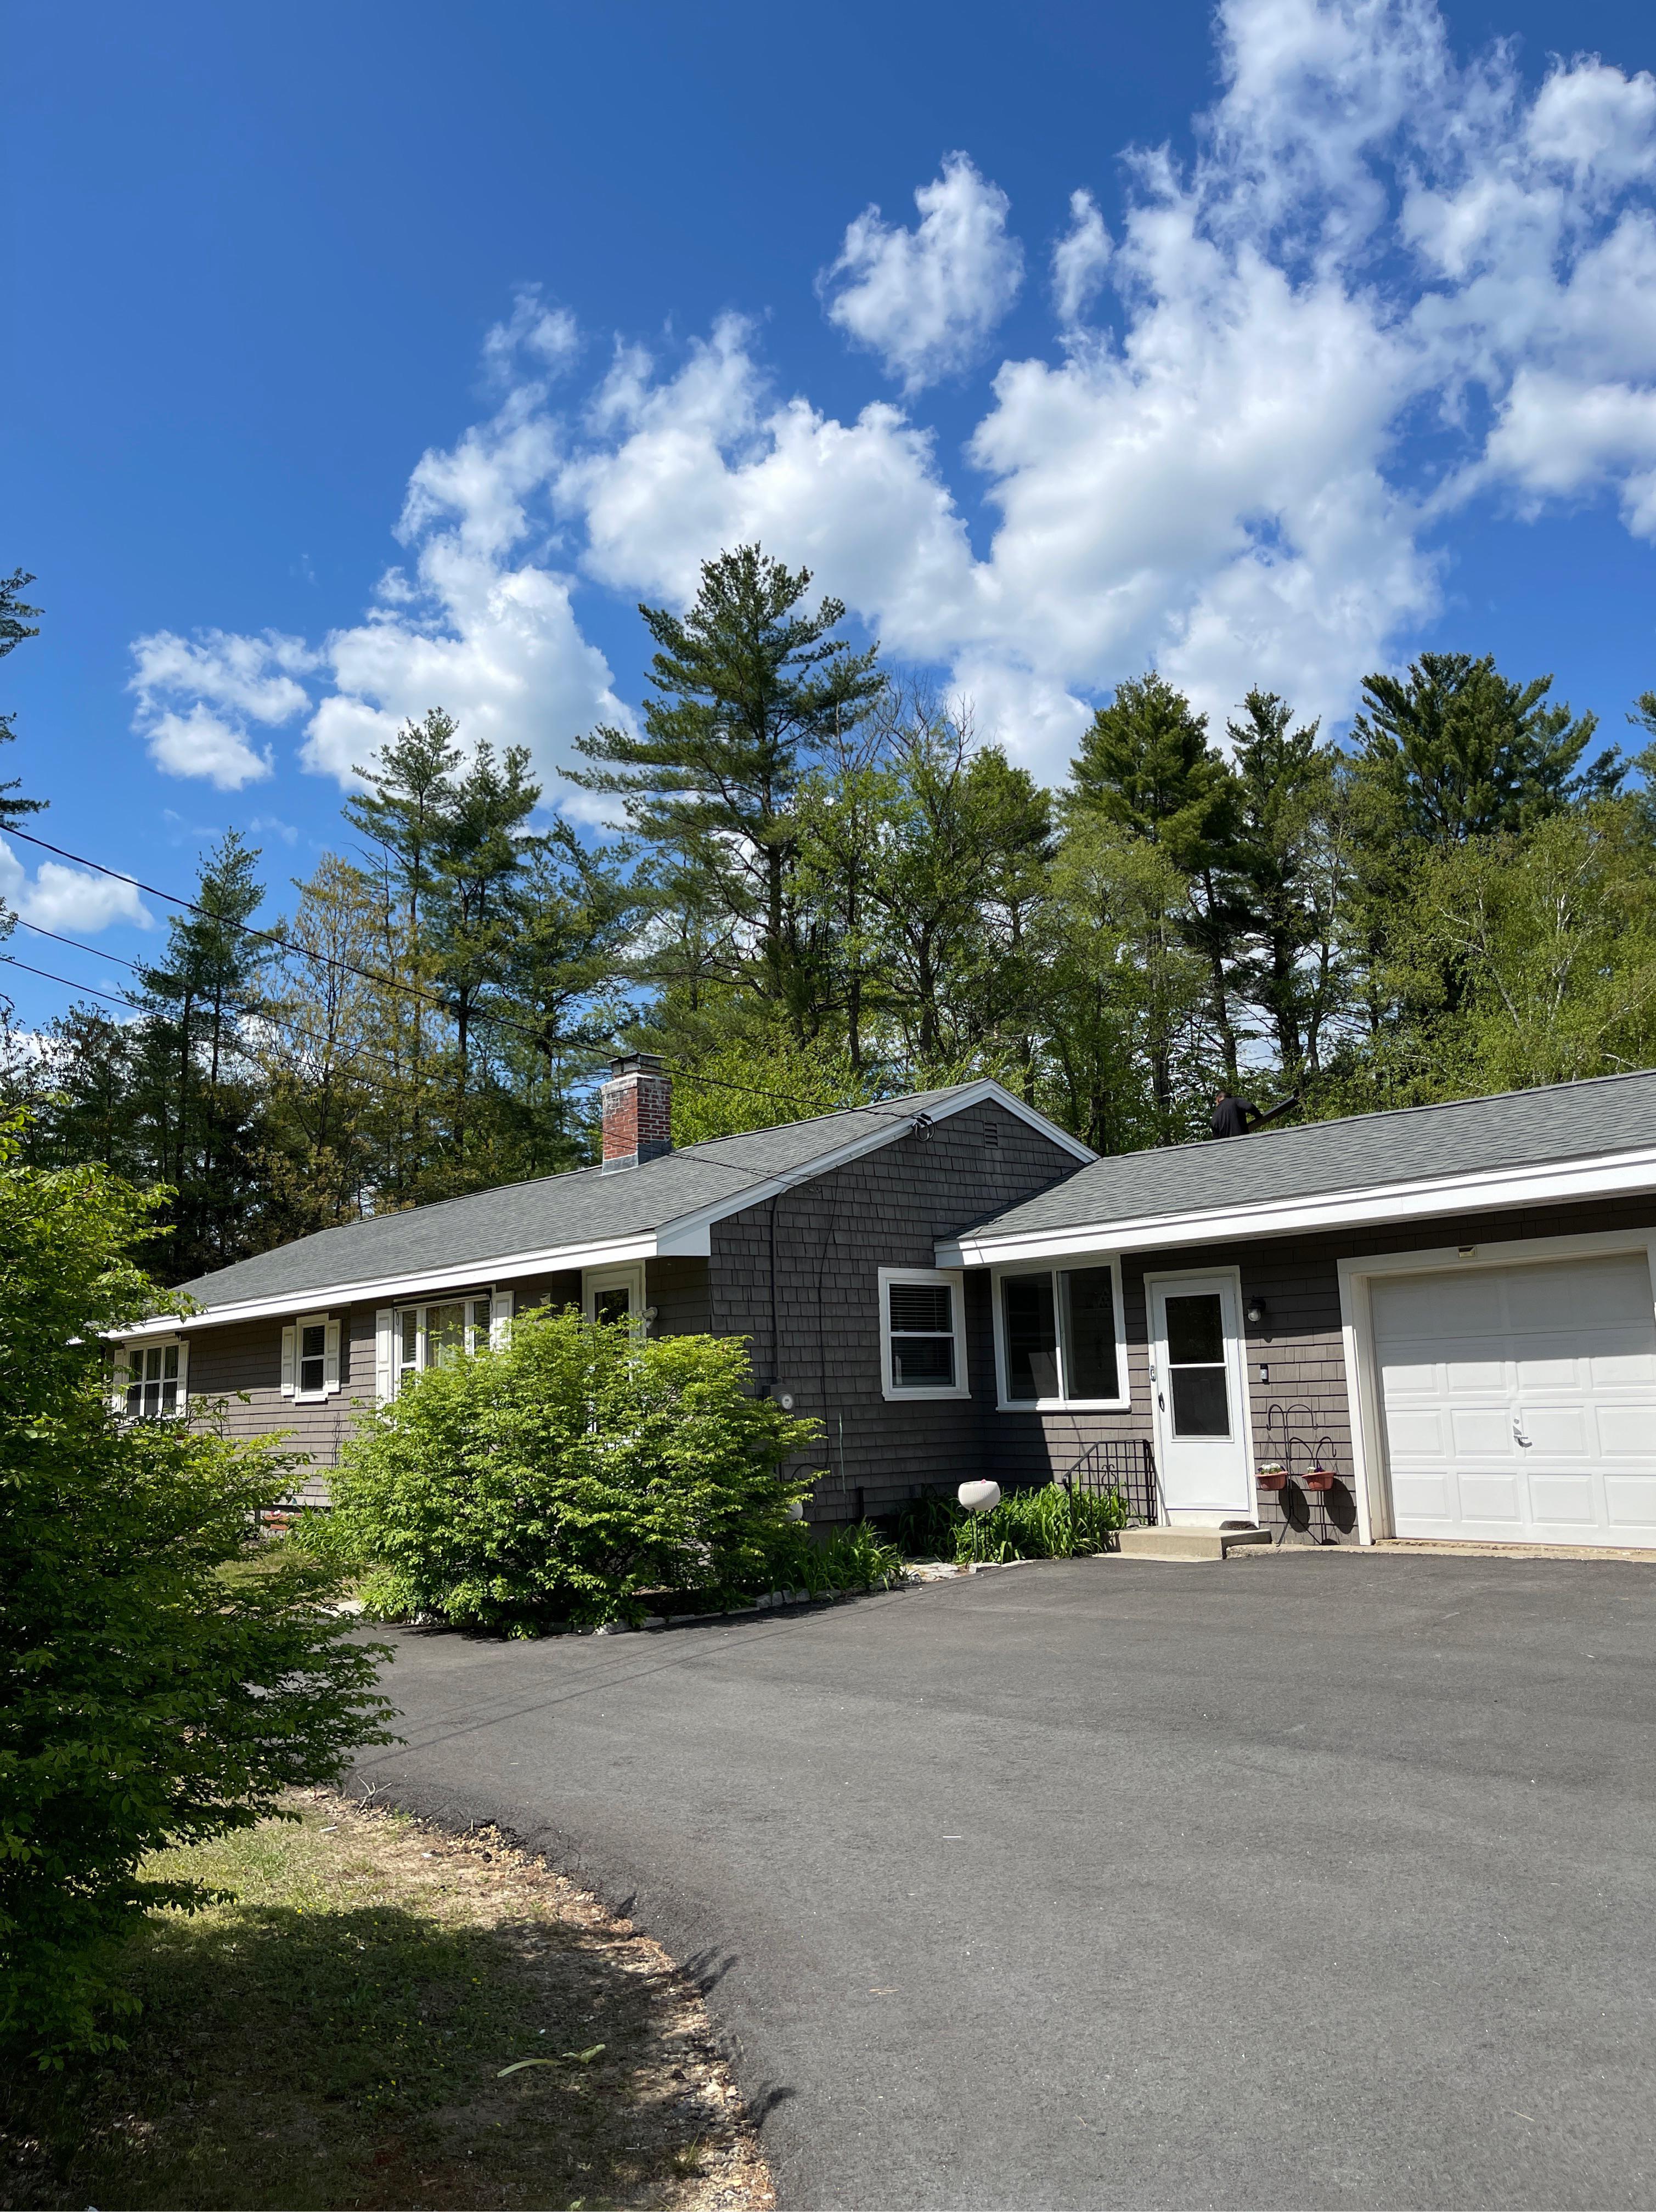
(509,1267)
(689,1237)
(1607,1175)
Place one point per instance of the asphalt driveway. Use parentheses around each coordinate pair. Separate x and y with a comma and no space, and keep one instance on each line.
(1299,1880)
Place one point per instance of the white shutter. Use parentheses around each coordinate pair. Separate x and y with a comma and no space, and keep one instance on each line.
(121,1374)
(500,1320)
(184,1375)
(385,1355)
(290,1358)
(330,1358)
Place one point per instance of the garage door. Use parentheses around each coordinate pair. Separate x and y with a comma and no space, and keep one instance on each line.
(1520,1402)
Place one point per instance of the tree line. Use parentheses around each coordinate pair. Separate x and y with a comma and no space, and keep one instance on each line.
(823,886)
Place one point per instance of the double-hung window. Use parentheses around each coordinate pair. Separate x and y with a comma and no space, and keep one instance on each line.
(1061,1337)
(922,1333)
(310,1359)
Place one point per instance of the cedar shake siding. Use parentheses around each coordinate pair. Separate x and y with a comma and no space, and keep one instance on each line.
(1299,1340)
(812,1321)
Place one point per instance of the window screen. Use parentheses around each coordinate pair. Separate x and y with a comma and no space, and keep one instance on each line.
(922,1320)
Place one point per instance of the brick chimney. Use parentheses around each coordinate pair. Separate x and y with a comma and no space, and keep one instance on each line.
(637,1109)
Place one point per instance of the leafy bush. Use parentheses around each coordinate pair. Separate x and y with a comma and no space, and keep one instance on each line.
(854,1557)
(1052,1523)
(560,1477)
(148,1693)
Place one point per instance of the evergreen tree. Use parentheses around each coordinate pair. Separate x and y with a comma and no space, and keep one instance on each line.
(16,623)
(1286,879)
(1460,751)
(750,690)
(1146,765)
(197,1093)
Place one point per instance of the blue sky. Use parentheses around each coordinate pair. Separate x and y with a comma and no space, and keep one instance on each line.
(362,359)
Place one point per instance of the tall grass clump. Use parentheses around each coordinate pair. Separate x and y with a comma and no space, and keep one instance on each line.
(1052,1523)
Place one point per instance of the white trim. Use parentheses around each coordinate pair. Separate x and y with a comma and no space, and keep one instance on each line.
(1604,1175)
(1372,1475)
(328,1326)
(502,1305)
(1122,1403)
(386,1350)
(629,1278)
(1236,1361)
(118,1398)
(686,1236)
(961,1386)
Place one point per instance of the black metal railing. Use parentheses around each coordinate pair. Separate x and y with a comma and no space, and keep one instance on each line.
(1126,1465)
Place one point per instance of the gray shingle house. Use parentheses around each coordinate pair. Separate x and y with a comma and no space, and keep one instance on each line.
(1438,1323)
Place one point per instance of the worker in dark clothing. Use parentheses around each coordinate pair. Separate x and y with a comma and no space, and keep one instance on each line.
(1233,1117)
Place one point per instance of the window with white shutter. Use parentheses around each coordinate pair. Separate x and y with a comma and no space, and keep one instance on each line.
(310,1354)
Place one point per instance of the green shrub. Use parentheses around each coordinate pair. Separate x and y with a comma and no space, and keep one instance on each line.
(149,1693)
(1051,1523)
(559,1478)
(854,1557)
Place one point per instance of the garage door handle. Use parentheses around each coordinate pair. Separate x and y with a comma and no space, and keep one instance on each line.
(1518,1431)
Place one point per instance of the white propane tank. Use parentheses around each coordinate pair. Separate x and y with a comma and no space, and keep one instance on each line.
(979,1497)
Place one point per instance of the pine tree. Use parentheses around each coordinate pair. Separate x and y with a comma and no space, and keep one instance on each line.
(1460,751)
(197,1091)
(1287,878)
(750,691)
(1146,764)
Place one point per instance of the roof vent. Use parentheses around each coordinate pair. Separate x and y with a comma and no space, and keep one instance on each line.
(636,1103)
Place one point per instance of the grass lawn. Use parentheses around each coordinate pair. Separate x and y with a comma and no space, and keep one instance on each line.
(335,2036)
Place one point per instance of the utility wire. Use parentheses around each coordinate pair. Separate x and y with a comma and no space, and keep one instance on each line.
(366,976)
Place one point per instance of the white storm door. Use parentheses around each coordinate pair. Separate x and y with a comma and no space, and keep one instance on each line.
(1520,1402)
(1198,1390)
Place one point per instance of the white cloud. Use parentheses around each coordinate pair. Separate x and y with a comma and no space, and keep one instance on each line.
(69,900)
(1218,473)
(201,743)
(928,300)
(1079,260)
(195,696)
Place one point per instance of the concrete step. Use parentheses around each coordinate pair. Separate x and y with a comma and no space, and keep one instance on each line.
(1188,1543)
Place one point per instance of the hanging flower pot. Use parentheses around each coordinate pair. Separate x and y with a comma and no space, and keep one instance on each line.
(1320,1477)
(1272,1476)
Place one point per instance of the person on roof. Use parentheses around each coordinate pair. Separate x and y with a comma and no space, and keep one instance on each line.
(1231,1116)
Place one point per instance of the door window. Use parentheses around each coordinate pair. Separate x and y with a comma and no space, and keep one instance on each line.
(1195,1365)
(613,1304)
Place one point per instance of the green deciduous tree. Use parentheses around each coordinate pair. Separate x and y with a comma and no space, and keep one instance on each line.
(149,1693)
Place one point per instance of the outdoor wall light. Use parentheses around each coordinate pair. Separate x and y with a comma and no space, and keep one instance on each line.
(1256,1311)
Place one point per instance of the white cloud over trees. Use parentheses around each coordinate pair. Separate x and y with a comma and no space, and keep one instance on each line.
(1217,470)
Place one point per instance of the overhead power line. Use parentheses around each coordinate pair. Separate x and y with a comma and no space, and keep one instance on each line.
(365,974)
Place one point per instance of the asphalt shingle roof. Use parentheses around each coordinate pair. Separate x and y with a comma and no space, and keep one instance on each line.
(1467,1136)
(584,1206)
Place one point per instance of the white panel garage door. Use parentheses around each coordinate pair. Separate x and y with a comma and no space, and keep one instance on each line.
(1520,1402)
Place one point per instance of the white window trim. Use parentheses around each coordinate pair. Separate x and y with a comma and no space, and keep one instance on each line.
(630,1278)
(1371,1469)
(333,1341)
(961,1386)
(490,1333)
(1122,1402)
(119,1390)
